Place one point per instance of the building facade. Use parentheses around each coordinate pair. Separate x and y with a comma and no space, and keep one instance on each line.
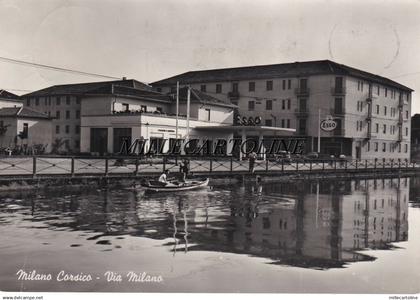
(372,113)
(63,104)
(415,137)
(8,99)
(109,123)
(25,131)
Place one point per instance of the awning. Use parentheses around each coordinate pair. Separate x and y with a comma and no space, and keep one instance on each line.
(247,129)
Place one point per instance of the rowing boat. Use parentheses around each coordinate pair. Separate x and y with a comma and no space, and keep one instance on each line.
(155,186)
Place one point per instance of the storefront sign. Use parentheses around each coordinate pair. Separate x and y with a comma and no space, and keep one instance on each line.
(328,124)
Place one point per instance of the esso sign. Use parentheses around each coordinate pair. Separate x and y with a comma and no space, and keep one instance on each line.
(328,125)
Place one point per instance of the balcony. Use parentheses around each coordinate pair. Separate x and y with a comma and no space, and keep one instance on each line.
(301,112)
(302,92)
(401,102)
(338,91)
(233,95)
(337,112)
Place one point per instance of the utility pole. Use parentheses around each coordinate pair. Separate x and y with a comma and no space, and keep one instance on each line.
(188,112)
(319,130)
(177,110)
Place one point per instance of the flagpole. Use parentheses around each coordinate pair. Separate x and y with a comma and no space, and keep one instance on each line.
(319,130)
(188,113)
(177,110)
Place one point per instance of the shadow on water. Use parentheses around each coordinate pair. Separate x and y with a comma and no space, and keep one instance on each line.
(309,224)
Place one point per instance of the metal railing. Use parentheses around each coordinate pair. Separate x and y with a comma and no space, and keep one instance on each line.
(39,166)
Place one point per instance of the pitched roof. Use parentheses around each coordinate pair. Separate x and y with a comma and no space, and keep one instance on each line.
(200,97)
(22,112)
(5,95)
(286,70)
(85,88)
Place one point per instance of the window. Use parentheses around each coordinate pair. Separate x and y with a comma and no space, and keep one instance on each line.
(78,100)
(58,101)
(376,146)
(378,90)
(235,87)
(368,146)
(203,88)
(383,147)
(77,129)
(68,100)
(207,110)
(385,110)
(125,106)
(268,122)
(269,104)
(282,123)
(289,84)
(67,129)
(406,148)
(288,123)
(28,102)
(302,126)
(386,92)
(251,86)
(77,144)
(399,148)
(377,109)
(143,108)
(57,129)
(67,114)
(288,103)
(284,84)
(218,88)
(377,127)
(384,131)
(25,131)
(251,105)
(269,85)
(358,85)
(406,114)
(406,131)
(77,114)
(57,114)
(283,104)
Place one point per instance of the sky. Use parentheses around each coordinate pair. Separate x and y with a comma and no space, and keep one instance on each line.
(150,40)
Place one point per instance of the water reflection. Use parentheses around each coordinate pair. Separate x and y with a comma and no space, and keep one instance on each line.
(307,224)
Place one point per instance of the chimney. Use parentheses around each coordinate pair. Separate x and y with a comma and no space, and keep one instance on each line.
(124,78)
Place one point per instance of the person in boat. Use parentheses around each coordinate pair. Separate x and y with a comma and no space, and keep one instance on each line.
(252,157)
(184,169)
(163,178)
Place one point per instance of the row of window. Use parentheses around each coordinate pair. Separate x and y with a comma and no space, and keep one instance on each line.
(286,84)
(67,129)
(392,128)
(392,147)
(385,110)
(48,100)
(377,90)
(285,104)
(68,114)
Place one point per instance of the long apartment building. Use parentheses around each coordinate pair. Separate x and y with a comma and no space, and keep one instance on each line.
(63,104)
(372,113)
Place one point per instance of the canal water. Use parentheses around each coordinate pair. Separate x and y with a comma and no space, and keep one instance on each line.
(298,237)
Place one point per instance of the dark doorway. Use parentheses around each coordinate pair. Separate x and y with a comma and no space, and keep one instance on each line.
(122,140)
(99,140)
